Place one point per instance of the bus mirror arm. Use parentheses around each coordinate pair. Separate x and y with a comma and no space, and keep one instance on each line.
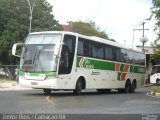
(62,43)
(57,55)
(14,48)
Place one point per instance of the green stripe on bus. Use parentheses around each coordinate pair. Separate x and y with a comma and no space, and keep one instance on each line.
(83,62)
(20,72)
(131,68)
(38,74)
(51,74)
(122,68)
(96,64)
(119,76)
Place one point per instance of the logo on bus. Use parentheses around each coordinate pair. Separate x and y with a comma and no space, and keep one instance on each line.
(85,63)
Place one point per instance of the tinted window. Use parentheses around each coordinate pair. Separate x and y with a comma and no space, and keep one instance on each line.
(131,56)
(80,48)
(142,59)
(93,49)
(109,53)
(84,47)
(118,54)
(97,50)
(123,55)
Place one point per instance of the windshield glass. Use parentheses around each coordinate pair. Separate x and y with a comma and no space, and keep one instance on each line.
(43,39)
(38,53)
(39,58)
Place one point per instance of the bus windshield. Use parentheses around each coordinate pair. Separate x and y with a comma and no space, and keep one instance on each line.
(38,53)
(39,58)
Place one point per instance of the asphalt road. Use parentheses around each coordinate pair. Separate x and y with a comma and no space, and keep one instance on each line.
(90,102)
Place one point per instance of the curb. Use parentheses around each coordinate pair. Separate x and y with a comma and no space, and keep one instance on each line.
(8,86)
(148,85)
(154,96)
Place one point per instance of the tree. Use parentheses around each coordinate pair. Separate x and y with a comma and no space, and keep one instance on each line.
(88,28)
(155,58)
(14,25)
(156,13)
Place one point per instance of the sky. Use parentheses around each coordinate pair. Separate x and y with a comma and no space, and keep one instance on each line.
(117,18)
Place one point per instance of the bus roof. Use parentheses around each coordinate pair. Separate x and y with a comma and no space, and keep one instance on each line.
(92,38)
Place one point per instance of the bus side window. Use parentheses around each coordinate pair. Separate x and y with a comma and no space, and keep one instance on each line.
(84,47)
(118,56)
(109,53)
(97,50)
(80,48)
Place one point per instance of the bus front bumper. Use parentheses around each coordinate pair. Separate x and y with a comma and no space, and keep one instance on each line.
(38,84)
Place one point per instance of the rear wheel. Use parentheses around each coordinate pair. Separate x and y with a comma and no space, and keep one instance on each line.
(47,91)
(78,88)
(133,87)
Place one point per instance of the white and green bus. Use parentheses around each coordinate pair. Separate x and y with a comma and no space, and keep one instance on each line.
(58,60)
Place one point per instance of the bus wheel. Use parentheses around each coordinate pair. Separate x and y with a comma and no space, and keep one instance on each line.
(133,86)
(47,91)
(78,88)
(127,86)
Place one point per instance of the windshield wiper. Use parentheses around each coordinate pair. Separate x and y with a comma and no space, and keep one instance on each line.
(36,61)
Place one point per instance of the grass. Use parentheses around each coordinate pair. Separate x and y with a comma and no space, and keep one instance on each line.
(155,89)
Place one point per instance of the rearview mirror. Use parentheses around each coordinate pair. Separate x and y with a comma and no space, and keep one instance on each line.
(17,49)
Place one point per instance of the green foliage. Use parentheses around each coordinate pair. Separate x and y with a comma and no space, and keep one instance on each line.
(14,26)
(88,28)
(14,23)
(155,89)
(156,13)
(156,56)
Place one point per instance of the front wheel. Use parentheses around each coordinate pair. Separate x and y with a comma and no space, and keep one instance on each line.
(47,91)
(78,88)
(127,88)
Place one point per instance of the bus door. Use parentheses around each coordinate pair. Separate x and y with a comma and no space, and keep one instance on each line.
(67,55)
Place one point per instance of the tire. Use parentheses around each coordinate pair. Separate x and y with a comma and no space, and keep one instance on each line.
(127,88)
(78,88)
(47,91)
(103,90)
(133,87)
